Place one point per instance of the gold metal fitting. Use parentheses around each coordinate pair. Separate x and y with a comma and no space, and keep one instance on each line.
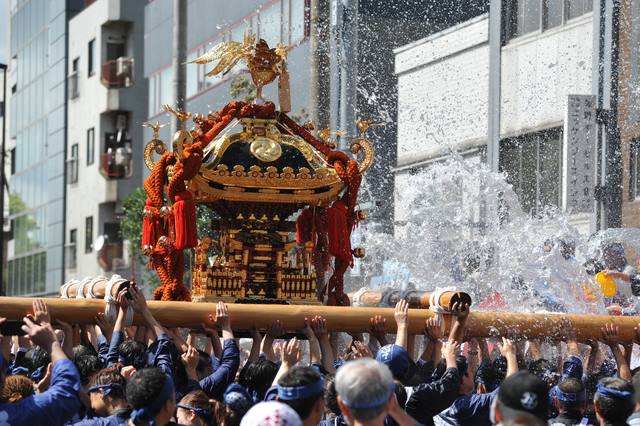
(164,242)
(359,252)
(147,214)
(147,250)
(165,211)
(362,214)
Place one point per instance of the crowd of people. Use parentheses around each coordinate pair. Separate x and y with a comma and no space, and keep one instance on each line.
(113,374)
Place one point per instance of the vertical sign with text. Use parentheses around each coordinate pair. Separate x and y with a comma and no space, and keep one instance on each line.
(579,154)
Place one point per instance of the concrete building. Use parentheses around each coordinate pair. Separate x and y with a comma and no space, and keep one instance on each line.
(545,56)
(107,102)
(36,144)
(279,21)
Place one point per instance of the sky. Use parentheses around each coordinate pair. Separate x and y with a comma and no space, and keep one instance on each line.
(4,31)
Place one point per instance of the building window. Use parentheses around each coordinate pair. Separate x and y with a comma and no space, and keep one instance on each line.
(533,165)
(71,255)
(527,16)
(88,234)
(72,165)
(634,170)
(91,62)
(91,145)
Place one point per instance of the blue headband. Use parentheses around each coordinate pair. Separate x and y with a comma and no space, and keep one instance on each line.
(38,373)
(106,389)
(202,412)
(15,371)
(612,393)
(149,412)
(571,396)
(374,403)
(301,392)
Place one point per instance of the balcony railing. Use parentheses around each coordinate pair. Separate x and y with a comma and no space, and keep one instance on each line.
(70,256)
(117,163)
(117,73)
(73,80)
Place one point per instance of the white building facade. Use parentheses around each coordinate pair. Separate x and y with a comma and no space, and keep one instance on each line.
(107,103)
(444,97)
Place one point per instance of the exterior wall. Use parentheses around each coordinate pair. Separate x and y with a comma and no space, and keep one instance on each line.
(629,106)
(540,70)
(38,33)
(93,195)
(442,92)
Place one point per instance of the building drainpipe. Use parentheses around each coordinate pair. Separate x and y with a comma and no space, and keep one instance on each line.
(179,57)
(495,74)
(609,167)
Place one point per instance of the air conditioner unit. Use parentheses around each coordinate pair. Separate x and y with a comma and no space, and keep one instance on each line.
(123,66)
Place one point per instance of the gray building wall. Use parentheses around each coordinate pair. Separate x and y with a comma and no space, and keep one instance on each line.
(37,131)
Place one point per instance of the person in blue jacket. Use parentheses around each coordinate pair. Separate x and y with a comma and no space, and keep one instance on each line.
(216,383)
(107,396)
(60,401)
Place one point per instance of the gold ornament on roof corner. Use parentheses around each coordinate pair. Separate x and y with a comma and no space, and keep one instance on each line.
(154,145)
(264,63)
(182,137)
(362,144)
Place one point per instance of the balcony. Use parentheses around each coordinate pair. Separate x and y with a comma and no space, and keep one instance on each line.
(116,164)
(117,73)
(110,255)
(73,85)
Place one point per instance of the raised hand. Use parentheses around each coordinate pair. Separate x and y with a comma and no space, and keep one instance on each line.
(291,352)
(122,299)
(319,326)
(138,301)
(104,325)
(432,329)
(460,310)
(275,330)
(378,329)
(40,334)
(508,347)
(450,350)
(401,313)
(360,350)
(43,384)
(610,334)
(223,321)
(190,361)
(40,312)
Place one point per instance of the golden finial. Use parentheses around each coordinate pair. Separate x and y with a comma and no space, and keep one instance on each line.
(155,126)
(324,134)
(179,114)
(364,125)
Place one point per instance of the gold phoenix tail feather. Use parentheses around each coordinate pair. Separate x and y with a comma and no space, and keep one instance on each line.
(227,54)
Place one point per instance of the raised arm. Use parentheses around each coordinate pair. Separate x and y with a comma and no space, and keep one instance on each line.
(461,312)
(611,338)
(315,356)
(319,327)
(290,357)
(272,333)
(508,350)
(401,315)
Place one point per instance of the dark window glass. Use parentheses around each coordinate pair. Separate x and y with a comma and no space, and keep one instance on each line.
(527,16)
(73,164)
(553,11)
(76,64)
(88,234)
(91,58)
(576,8)
(91,142)
(532,164)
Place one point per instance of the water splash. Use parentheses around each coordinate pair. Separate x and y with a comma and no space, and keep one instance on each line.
(460,224)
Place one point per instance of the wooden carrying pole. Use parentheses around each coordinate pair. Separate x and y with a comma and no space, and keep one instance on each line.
(349,319)
(415,298)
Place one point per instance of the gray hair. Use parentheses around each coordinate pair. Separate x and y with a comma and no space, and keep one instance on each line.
(361,382)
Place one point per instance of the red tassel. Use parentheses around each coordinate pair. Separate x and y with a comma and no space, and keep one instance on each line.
(150,231)
(304,226)
(186,229)
(338,230)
